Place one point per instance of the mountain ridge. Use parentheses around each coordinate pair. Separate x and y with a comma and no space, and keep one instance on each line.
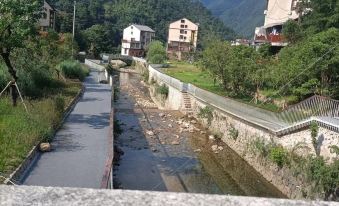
(240,15)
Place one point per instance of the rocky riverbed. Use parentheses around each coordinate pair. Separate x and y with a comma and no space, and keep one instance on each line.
(168,151)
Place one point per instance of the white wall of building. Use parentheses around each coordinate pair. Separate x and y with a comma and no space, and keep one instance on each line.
(131,32)
(279,11)
(190,32)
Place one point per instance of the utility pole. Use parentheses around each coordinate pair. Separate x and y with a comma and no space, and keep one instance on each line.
(75,3)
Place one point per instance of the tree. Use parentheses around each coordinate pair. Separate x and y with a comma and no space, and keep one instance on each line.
(17,24)
(156,53)
(215,59)
(234,66)
(98,39)
(292,31)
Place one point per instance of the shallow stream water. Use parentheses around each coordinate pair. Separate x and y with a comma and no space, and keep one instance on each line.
(159,155)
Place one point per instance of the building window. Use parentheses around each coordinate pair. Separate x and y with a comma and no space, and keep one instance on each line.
(181,37)
(185,32)
(186,26)
(183,21)
(44,15)
(182,31)
(185,38)
(182,26)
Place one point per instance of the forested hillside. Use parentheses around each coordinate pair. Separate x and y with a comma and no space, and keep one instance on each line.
(241,15)
(100,22)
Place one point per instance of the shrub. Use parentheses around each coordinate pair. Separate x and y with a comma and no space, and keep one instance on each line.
(278,155)
(73,70)
(314,135)
(206,113)
(33,81)
(259,146)
(325,177)
(233,133)
(145,75)
(163,90)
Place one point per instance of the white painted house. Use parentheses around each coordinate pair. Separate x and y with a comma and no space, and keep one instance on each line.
(135,40)
(277,13)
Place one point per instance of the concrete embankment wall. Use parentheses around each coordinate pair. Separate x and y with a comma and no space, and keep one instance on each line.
(225,123)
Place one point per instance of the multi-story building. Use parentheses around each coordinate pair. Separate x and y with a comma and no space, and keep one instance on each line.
(277,13)
(47,20)
(135,40)
(182,37)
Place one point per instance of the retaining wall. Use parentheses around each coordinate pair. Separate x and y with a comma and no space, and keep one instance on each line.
(225,121)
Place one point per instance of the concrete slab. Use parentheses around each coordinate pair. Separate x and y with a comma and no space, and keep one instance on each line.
(80,147)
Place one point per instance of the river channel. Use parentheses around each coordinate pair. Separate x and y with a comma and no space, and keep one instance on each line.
(160,153)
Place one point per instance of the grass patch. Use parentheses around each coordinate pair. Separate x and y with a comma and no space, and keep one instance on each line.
(189,73)
(20,131)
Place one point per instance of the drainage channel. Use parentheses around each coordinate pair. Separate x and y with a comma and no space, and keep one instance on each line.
(159,154)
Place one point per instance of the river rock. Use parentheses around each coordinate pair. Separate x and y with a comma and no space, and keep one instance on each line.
(220,148)
(162,115)
(211,137)
(45,147)
(175,142)
(202,132)
(197,150)
(150,133)
(193,121)
(170,126)
(214,148)
(191,129)
(181,130)
(186,125)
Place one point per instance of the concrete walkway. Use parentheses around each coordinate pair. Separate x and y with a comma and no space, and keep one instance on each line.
(80,147)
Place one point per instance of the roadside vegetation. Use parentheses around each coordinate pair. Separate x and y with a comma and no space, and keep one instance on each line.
(307,66)
(40,63)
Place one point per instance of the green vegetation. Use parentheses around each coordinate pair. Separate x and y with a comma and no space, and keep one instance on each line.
(191,73)
(233,133)
(100,22)
(307,66)
(314,135)
(322,177)
(162,90)
(156,53)
(278,155)
(30,59)
(73,70)
(20,131)
(206,113)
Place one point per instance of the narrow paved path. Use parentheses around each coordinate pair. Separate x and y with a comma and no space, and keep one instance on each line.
(80,148)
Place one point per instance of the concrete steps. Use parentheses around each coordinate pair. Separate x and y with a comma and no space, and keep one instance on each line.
(187,105)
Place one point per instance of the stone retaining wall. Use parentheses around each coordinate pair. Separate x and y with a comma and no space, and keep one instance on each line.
(224,122)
